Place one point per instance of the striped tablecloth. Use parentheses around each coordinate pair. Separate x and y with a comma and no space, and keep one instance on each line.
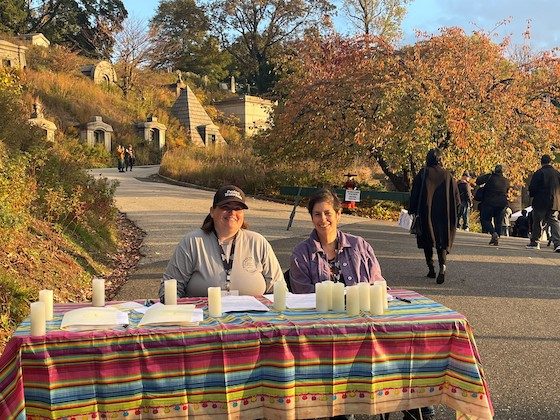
(290,365)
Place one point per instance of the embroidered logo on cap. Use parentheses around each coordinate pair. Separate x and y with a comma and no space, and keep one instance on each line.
(233,193)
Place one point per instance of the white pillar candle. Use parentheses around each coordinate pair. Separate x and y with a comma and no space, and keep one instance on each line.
(46,296)
(385,300)
(364,296)
(376,299)
(329,292)
(321,297)
(215,302)
(353,300)
(38,323)
(338,297)
(280,292)
(170,292)
(98,292)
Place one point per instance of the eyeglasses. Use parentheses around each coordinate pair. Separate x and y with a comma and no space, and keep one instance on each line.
(230,208)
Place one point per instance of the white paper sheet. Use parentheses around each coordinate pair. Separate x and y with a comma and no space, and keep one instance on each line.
(242,304)
(159,315)
(93,318)
(129,306)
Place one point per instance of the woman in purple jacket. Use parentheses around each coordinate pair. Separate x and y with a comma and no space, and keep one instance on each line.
(328,253)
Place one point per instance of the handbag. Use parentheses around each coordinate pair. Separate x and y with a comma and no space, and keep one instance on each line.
(416,226)
(405,220)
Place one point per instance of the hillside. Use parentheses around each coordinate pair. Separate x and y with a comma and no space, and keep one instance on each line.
(58,226)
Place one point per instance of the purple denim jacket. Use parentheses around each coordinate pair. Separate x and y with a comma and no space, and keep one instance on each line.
(309,263)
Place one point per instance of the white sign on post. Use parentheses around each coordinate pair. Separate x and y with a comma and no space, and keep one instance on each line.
(352,195)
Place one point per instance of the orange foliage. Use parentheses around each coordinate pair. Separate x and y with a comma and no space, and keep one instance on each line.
(359,97)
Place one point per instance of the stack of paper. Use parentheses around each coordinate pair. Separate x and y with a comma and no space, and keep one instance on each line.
(160,315)
(242,304)
(93,318)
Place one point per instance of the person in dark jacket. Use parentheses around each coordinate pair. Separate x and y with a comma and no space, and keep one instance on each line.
(522,225)
(494,202)
(544,188)
(465,193)
(434,198)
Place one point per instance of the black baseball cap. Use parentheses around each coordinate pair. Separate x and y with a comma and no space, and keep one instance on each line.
(229,194)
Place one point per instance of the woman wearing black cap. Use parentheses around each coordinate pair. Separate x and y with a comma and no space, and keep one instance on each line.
(223,253)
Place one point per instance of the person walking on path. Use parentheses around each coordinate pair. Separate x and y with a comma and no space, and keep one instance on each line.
(465,193)
(129,158)
(434,199)
(493,202)
(506,221)
(544,188)
(120,157)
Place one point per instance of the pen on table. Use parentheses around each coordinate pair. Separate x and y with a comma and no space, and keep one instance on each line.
(403,299)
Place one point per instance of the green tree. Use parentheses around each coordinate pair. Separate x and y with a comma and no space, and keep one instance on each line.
(254,31)
(377,17)
(182,40)
(86,26)
(13,14)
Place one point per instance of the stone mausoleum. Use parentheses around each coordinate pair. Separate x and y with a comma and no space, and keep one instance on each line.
(252,112)
(102,73)
(97,132)
(152,131)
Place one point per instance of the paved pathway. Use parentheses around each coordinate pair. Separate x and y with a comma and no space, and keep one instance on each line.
(510,295)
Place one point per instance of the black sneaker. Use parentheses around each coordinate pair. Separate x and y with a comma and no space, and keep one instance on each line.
(533,245)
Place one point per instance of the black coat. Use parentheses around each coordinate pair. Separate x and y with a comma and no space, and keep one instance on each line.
(496,187)
(545,188)
(436,203)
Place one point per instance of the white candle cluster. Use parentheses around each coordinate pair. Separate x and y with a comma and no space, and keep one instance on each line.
(367,298)
(41,312)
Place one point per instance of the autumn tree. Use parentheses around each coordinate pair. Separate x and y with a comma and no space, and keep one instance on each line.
(182,40)
(377,17)
(359,97)
(254,31)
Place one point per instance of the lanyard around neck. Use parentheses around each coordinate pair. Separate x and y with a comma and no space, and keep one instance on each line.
(227,262)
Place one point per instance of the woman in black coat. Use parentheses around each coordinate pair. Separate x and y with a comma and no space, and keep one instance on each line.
(435,198)
(493,203)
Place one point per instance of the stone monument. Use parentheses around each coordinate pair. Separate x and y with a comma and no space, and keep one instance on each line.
(152,131)
(97,132)
(38,119)
(101,73)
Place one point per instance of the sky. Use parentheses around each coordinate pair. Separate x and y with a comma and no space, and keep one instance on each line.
(431,15)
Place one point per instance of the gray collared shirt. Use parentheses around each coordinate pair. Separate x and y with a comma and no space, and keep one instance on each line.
(309,263)
(197,264)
